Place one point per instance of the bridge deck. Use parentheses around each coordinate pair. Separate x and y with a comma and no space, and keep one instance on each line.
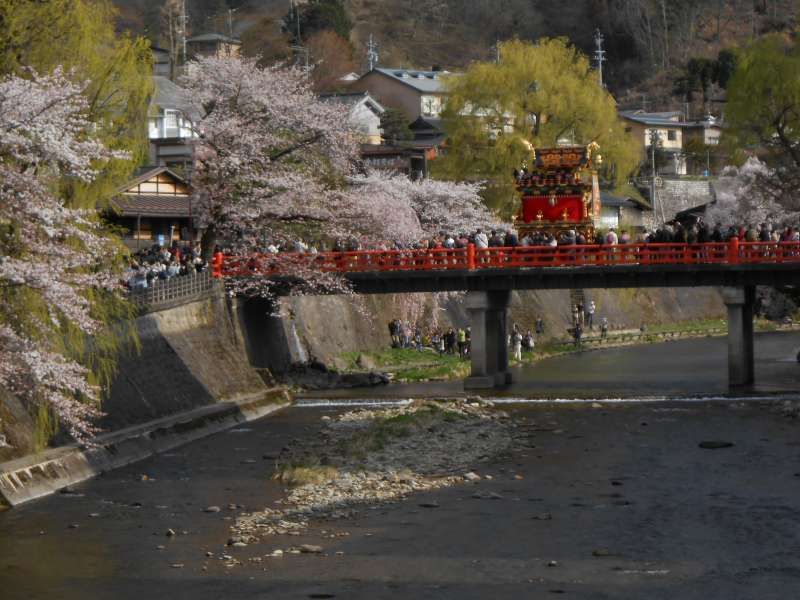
(632,265)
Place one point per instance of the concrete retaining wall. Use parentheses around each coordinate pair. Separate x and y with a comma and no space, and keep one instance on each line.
(191,378)
(38,475)
(322,327)
(676,195)
(192,355)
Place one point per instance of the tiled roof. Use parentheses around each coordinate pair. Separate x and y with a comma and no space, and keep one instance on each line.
(142,174)
(352,99)
(611,200)
(429,82)
(147,205)
(213,37)
(167,95)
(655,118)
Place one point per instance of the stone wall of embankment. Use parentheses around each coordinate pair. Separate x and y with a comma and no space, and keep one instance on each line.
(320,328)
(191,356)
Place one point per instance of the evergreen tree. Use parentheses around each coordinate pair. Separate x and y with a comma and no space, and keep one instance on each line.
(394,127)
(315,16)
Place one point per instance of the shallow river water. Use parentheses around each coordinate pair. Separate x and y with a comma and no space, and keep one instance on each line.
(610,502)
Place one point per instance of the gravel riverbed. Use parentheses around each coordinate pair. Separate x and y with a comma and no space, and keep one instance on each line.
(366,457)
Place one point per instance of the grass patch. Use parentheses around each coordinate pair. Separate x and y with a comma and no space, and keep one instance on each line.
(383,431)
(300,473)
(412,365)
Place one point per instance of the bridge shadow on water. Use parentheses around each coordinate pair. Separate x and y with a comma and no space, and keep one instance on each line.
(683,368)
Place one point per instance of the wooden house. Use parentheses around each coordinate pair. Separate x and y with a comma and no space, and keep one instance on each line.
(154,208)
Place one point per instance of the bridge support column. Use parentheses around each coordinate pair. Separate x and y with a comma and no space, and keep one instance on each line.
(739,301)
(489,341)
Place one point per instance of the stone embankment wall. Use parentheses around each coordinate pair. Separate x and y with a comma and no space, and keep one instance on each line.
(191,356)
(320,328)
(676,195)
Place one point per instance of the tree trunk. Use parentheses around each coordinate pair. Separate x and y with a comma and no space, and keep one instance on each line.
(207,243)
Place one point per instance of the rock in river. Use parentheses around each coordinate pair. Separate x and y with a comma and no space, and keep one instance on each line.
(715,444)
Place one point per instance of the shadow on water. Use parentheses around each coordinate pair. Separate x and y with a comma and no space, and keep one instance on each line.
(695,367)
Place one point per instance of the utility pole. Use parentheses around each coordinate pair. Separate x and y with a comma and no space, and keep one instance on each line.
(230,21)
(655,138)
(298,50)
(372,53)
(184,21)
(497,52)
(295,11)
(599,54)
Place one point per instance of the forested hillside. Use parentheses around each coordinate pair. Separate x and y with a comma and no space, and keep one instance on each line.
(660,52)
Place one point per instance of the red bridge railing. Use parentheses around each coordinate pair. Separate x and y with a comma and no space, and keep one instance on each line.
(520,257)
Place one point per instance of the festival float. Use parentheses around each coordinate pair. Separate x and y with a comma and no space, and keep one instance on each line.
(559,192)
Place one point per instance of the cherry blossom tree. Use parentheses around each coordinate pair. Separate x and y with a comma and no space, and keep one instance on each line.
(49,254)
(744,197)
(270,157)
(274,163)
(426,207)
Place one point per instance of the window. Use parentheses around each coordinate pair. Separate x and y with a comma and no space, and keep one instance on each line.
(431,106)
(609,217)
(672,135)
(171,128)
(143,230)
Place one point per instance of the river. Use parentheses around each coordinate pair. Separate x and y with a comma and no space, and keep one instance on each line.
(611,502)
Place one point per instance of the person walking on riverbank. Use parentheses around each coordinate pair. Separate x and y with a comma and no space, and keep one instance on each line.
(539,326)
(577,334)
(603,329)
(462,343)
(516,343)
(590,315)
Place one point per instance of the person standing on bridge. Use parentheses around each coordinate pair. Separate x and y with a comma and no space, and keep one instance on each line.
(481,240)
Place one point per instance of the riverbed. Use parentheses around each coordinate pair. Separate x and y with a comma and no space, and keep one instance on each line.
(602,500)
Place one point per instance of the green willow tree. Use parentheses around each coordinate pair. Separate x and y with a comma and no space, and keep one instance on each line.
(763,112)
(80,35)
(538,95)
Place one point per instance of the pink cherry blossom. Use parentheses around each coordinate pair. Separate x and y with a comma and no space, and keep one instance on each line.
(48,248)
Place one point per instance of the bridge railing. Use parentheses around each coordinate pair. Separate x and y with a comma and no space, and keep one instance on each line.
(520,257)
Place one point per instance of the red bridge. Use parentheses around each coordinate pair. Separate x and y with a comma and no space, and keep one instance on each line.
(490,275)
(520,257)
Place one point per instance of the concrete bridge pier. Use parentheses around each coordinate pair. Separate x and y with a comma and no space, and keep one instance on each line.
(739,300)
(489,344)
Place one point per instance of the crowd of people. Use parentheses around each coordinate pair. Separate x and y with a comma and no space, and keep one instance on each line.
(443,340)
(583,319)
(157,263)
(670,232)
(456,340)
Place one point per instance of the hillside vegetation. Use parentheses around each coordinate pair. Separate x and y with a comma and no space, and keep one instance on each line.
(656,48)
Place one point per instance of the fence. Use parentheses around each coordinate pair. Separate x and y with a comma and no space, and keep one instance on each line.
(169,292)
